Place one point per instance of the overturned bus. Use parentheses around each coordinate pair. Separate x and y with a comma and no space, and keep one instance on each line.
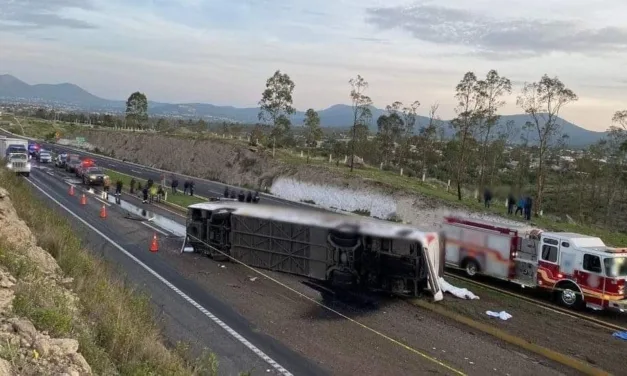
(333,250)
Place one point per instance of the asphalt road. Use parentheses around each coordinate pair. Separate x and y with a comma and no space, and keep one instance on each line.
(183,321)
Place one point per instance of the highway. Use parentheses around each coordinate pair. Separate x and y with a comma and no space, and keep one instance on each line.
(125,242)
(293,335)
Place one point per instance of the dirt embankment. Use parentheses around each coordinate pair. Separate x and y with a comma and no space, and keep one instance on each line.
(219,160)
(24,350)
(233,163)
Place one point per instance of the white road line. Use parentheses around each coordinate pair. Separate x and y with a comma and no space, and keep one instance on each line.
(207,313)
(137,172)
(154,228)
(103,201)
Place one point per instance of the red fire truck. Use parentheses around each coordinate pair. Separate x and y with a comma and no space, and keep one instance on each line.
(580,270)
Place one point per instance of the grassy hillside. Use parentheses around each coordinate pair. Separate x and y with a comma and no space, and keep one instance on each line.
(115,326)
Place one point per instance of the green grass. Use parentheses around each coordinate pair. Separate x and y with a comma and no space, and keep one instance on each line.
(115,325)
(178,199)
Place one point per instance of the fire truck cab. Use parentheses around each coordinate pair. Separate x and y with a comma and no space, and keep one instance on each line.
(580,270)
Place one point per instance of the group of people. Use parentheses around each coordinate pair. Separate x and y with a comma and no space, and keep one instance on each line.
(152,192)
(149,193)
(106,186)
(523,204)
(188,187)
(241,197)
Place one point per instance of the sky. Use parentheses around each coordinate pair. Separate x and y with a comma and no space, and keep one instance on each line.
(222,52)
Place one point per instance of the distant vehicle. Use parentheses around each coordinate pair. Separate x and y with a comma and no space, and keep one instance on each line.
(33,148)
(93,176)
(85,163)
(72,165)
(44,157)
(18,163)
(12,145)
(60,160)
(579,270)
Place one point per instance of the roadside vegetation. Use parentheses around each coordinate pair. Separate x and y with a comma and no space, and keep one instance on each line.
(114,324)
(580,189)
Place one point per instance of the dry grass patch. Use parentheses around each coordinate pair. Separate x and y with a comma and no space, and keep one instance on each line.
(115,325)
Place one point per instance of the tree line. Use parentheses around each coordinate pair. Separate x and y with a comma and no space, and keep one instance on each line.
(476,157)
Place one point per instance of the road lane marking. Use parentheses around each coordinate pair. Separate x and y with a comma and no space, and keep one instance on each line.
(358,323)
(349,319)
(280,369)
(154,228)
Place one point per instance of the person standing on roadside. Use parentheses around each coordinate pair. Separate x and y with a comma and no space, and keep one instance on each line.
(487,198)
(133,182)
(160,193)
(191,188)
(511,202)
(118,187)
(105,186)
(153,193)
(175,185)
(519,206)
(185,187)
(528,206)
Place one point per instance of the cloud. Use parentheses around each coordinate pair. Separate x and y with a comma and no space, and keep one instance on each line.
(497,38)
(41,14)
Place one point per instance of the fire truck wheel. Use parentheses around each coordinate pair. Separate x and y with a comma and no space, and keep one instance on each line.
(568,295)
(471,267)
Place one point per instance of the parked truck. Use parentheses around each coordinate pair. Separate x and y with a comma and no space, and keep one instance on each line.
(19,163)
(579,270)
(12,145)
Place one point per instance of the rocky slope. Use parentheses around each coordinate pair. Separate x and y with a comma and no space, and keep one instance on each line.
(24,350)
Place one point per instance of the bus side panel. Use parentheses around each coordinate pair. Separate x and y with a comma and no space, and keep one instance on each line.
(279,246)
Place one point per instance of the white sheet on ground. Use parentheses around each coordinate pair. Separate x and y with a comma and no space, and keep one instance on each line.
(456,291)
(501,315)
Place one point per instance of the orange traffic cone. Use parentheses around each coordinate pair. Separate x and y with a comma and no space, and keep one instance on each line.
(103,211)
(83,199)
(71,190)
(154,246)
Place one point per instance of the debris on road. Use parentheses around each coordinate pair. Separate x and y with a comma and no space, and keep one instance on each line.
(457,291)
(501,315)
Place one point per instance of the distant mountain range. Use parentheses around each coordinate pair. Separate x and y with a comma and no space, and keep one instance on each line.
(73,97)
